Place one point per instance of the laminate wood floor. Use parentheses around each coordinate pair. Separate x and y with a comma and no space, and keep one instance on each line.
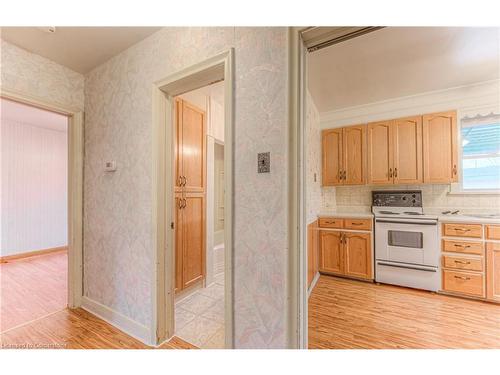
(75,329)
(33,300)
(32,287)
(347,314)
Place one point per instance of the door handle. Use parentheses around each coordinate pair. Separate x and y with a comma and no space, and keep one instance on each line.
(185,202)
(454,169)
(179,204)
(390,172)
(395,172)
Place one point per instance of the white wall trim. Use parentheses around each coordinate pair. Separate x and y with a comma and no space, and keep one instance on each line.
(313,284)
(118,320)
(483,94)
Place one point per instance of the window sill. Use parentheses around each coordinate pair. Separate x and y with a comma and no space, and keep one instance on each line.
(456,189)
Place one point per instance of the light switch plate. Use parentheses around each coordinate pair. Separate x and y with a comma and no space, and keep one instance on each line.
(110,166)
(264,162)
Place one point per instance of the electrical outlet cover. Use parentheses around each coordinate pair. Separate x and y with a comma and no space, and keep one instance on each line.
(264,162)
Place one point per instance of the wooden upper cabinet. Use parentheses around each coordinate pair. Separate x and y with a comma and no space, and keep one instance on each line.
(440,147)
(407,154)
(354,155)
(331,258)
(380,158)
(358,255)
(191,147)
(332,157)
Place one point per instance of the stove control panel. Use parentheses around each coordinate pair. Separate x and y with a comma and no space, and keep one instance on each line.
(397,198)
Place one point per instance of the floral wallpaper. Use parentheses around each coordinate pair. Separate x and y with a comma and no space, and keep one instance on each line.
(313,160)
(118,253)
(31,74)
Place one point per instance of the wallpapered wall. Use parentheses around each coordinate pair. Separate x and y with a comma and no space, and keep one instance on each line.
(34,75)
(313,160)
(117,224)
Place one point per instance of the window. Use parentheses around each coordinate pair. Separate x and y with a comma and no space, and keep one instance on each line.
(481,153)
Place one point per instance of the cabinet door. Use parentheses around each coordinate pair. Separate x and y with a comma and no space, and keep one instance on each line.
(178,146)
(440,147)
(380,157)
(354,139)
(407,144)
(358,255)
(493,271)
(179,229)
(312,251)
(193,148)
(332,157)
(193,238)
(331,252)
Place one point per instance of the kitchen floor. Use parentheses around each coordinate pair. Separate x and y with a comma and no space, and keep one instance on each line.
(349,314)
(199,317)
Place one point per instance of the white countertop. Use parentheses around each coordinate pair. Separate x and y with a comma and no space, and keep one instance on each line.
(457,218)
(345,214)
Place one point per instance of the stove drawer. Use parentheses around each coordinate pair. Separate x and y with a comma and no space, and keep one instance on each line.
(468,283)
(327,222)
(470,264)
(361,224)
(466,247)
(463,230)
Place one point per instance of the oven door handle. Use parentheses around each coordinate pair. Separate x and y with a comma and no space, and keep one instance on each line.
(408,267)
(420,222)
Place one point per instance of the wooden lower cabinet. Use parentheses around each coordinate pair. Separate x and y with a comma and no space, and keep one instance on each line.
(331,252)
(312,251)
(358,255)
(346,253)
(493,271)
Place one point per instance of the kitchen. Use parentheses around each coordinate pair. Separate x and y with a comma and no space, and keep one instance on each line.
(403,189)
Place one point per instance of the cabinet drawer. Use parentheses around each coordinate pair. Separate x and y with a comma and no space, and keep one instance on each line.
(326,222)
(463,230)
(466,247)
(363,224)
(468,283)
(493,232)
(470,264)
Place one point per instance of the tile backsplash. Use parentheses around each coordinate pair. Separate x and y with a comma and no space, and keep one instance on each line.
(435,198)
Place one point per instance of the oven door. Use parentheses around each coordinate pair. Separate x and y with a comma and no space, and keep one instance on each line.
(407,241)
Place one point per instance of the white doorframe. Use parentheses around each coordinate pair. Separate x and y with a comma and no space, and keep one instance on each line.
(217,68)
(297,270)
(75,187)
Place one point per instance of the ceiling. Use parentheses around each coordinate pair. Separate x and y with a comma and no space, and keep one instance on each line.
(78,48)
(13,111)
(401,61)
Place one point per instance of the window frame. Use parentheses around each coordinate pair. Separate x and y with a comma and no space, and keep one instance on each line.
(458,187)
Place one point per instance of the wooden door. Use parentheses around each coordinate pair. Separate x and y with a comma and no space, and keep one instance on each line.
(331,252)
(380,153)
(312,251)
(193,238)
(354,139)
(493,271)
(358,255)
(193,148)
(407,150)
(332,157)
(439,132)
(179,252)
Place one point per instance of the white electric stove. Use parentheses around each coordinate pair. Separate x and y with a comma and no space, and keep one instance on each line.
(406,241)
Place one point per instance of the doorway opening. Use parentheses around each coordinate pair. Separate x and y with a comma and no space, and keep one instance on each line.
(34,214)
(199,216)
(193,121)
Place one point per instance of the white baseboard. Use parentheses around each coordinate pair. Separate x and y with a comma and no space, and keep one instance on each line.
(118,320)
(313,284)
